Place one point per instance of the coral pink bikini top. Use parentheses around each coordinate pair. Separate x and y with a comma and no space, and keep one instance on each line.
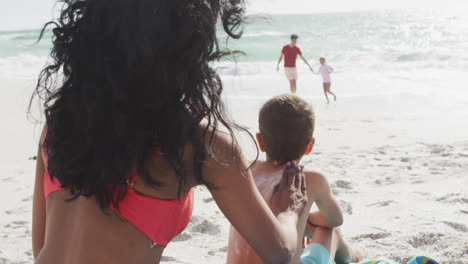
(160,220)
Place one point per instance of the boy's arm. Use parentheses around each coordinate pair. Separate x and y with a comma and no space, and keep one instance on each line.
(279,61)
(317,218)
(329,214)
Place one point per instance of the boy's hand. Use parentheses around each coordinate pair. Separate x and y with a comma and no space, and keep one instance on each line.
(277,67)
(290,194)
(318,219)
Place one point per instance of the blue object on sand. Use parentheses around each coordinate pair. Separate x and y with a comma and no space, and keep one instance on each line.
(416,260)
(380,261)
(422,260)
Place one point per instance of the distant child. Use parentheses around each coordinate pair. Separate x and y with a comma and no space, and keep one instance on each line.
(325,71)
(286,133)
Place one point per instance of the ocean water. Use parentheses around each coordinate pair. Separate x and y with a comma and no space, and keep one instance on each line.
(387,54)
(378,52)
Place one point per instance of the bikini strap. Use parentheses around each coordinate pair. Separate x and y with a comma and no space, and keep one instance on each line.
(131,180)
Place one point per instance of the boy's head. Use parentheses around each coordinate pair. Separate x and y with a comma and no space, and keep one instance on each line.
(294,38)
(286,127)
(322,60)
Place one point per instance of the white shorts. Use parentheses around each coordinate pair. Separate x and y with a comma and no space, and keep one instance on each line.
(291,73)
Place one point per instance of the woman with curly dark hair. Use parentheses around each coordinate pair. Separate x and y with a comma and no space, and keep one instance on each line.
(133,124)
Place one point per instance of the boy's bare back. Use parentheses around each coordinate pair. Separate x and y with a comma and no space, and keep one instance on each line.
(266,176)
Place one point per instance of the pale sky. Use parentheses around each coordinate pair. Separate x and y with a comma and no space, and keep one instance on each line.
(31,14)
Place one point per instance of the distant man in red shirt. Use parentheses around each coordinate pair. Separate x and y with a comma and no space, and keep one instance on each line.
(290,53)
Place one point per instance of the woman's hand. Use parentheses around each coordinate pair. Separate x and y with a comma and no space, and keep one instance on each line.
(290,194)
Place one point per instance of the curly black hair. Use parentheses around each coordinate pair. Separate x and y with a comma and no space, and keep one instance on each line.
(135,77)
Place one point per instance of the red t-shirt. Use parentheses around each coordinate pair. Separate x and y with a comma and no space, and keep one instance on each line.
(290,55)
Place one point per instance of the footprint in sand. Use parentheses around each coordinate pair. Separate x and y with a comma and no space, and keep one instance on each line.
(27,199)
(373,236)
(165,258)
(19,210)
(387,180)
(447,197)
(417,182)
(405,159)
(382,204)
(335,191)
(219,251)
(425,239)
(182,237)
(209,199)
(459,201)
(16,224)
(442,150)
(457,226)
(391,180)
(346,207)
(20,222)
(195,219)
(9,179)
(381,151)
(206,227)
(384,165)
(343,184)
(437,150)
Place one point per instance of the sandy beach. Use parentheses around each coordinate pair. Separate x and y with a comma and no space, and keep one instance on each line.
(398,165)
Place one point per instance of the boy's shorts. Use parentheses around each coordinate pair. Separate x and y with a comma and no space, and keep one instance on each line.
(316,254)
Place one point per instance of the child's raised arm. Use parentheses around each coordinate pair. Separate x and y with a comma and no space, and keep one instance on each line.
(329,214)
